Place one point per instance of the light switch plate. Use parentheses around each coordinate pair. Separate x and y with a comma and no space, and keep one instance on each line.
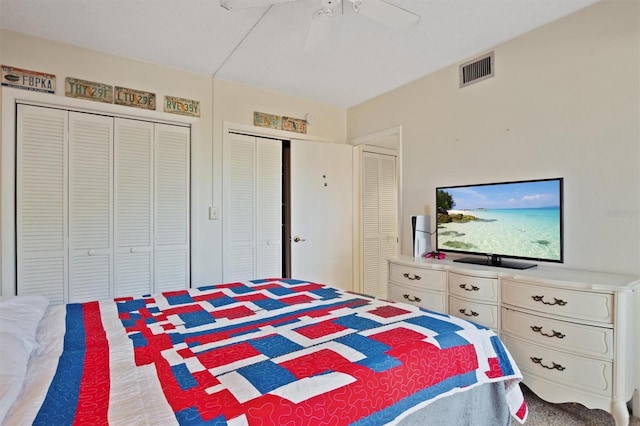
(213,213)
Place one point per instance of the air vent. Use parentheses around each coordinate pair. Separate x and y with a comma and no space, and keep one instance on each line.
(476,70)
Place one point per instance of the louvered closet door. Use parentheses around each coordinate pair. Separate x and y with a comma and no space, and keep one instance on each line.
(388,216)
(379,219)
(41,202)
(371,224)
(171,219)
(269,208)
(239,239)
(133,207)
(90,207)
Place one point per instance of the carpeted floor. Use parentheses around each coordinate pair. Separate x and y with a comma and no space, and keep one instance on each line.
(542,413)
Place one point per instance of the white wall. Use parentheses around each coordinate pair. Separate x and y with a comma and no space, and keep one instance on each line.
(233,102)
(565,101)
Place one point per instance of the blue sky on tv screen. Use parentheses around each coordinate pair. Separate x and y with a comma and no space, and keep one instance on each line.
(520,195)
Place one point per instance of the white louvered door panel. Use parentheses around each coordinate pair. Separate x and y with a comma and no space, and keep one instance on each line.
(379,217)
(239,219)
(133,207)
(269,208)
(388,217)
(371,225)
(41,202)
(90,207)
(171,218)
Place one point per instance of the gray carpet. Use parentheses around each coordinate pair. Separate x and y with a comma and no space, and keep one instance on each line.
(542,413)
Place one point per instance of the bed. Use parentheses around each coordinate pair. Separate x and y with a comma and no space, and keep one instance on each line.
(260,352)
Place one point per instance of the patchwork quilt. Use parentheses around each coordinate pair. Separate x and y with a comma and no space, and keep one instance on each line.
(269,351)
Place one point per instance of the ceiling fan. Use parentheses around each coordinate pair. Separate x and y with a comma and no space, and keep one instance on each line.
(380,11)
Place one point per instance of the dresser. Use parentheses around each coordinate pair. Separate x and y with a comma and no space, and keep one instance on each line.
(573,333)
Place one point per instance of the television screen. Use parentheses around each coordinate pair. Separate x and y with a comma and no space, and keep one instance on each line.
(519,220)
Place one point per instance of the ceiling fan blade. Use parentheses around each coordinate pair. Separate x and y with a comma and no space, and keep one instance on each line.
(319,28)
(246,4)
(386,14)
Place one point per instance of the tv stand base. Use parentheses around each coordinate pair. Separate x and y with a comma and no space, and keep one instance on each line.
(494,260)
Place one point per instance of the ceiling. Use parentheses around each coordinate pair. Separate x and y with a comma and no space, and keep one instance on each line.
(264,46)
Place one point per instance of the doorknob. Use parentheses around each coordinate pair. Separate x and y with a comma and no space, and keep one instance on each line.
(298,239)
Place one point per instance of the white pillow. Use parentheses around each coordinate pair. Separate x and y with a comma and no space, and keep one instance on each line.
(19,319)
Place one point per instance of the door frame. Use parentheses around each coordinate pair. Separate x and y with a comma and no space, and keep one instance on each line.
(380,141)
(228,126)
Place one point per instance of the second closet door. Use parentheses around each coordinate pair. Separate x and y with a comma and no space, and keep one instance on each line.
(133,207)
(252,239)
(90,201)
(268,208)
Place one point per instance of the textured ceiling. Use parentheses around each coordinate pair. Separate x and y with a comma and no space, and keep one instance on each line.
(264,46)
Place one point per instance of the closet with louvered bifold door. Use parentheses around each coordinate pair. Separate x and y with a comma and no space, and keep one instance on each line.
(102,205)
(252,231)
(379,219)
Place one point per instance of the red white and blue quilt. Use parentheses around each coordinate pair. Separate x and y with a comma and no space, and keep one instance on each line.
(268,351)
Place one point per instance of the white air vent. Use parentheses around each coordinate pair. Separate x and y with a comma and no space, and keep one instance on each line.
(476,70)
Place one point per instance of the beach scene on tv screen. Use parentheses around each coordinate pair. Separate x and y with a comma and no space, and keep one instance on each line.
(512,219)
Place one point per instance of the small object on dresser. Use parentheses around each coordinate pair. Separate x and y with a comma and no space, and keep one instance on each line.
(434,255)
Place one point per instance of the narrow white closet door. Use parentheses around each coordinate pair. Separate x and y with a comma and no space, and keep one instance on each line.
(371,225)
(388,217)
(90,207)
(239,218)
(41,202)
(133,207)
(269,208)
(171,219)
(379,217)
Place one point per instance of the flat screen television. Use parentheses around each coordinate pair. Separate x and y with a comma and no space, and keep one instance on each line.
(520,220)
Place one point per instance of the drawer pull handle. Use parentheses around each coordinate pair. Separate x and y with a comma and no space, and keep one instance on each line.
(556,301)
(553,367)
(472,314)
(411,299)
(538,329)
(472,288)
(415,277)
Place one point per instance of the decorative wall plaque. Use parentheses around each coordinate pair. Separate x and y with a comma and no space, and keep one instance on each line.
(181,106)
(266,120)
(134,98)
(83,89)
(291,124)
(28,80)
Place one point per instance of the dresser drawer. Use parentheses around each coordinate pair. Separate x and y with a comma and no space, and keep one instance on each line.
(423,278)
(432,300)
(478,288)
(581,373)
(486,315)
(597,307)
(567,336)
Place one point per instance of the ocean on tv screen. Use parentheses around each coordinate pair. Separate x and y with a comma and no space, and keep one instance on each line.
(522,232)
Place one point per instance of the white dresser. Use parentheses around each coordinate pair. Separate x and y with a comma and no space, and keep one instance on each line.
(572,333)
